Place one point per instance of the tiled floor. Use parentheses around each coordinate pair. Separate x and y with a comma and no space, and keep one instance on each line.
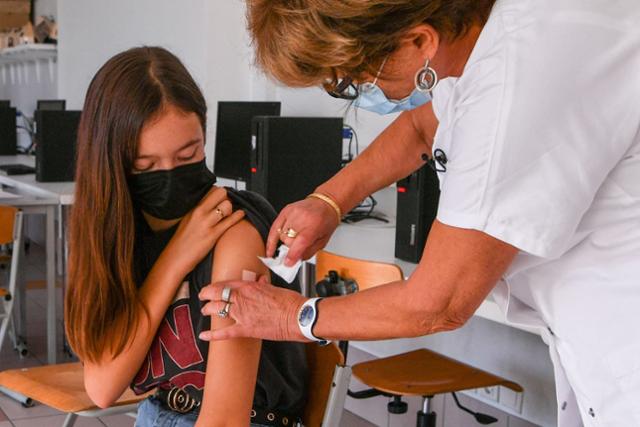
(12,414)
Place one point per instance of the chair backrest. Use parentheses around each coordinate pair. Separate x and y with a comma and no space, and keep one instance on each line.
(322,362)
(367,274)
(7,223)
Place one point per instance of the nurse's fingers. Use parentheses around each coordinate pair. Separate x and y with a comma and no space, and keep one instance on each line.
(213,292)
(226,333)
(297,247)
(275,234)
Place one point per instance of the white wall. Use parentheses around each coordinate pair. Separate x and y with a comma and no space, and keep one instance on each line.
(91,31)
(45,8)
(209,37)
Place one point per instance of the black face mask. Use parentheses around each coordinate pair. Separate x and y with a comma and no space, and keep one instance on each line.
(171,194)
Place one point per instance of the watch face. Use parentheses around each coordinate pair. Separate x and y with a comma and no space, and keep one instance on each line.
(306,316)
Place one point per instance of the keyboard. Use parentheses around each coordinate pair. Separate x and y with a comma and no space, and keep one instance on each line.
(17,169)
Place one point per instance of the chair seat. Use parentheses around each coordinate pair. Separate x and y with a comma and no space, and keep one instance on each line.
(425,373)
(58,386)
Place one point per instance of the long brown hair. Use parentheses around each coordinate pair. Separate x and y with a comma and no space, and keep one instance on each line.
(130,89)
(312,42)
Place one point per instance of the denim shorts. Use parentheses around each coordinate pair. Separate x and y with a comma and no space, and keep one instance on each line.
(151,413)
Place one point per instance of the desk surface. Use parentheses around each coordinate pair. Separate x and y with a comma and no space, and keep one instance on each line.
(26,185)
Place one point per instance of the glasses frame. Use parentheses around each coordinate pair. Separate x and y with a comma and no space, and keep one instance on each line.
(340,90)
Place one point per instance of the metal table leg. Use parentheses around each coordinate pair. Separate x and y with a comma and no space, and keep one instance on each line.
(51,284)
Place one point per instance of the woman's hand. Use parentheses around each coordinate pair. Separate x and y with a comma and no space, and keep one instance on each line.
(260,310)
(201,228)
(313,220)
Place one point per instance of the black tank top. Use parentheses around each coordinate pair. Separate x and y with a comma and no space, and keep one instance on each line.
(178,358)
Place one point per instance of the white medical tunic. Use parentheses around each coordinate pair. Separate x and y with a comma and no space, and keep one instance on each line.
(541,135)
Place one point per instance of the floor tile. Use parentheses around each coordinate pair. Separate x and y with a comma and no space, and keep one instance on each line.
(3,417)
(118,421)
(349,419)
(57,420)
(5,424)
(15,411)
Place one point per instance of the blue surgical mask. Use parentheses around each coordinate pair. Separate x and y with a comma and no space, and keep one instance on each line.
(373,99)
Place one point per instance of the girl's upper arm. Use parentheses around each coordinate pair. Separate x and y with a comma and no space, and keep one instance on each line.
(232,365)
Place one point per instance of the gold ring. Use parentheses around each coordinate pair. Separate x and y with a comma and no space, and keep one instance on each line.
(292,233)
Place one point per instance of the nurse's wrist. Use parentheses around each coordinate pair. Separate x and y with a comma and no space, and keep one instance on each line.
(329,202)
(340,203)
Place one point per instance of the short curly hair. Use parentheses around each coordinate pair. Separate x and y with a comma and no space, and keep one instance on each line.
(311,42)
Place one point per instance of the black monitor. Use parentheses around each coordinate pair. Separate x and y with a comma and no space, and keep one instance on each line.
(51,105)
(5,103)
(233,136)
(56,145)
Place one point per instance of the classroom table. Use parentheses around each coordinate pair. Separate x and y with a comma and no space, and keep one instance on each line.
(51,200)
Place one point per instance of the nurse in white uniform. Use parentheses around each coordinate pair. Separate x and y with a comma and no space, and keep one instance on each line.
(535,130)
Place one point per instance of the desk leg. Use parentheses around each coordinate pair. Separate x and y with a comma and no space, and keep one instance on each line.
(51,284)
(21,331)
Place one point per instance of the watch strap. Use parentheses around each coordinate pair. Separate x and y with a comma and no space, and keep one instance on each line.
(307,331)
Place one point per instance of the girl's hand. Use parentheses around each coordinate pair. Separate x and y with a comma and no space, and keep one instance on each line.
(201,228)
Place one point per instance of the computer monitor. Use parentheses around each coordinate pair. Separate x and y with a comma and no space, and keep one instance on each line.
(51,105)
(56,145)
(233,136)
(5,103)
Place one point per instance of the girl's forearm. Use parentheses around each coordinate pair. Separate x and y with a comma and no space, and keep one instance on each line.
(107,380)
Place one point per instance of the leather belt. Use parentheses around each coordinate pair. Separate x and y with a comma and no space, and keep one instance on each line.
(178,400)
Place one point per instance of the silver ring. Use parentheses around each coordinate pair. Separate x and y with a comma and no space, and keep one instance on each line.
(219,212)
(224,313)
(226,294)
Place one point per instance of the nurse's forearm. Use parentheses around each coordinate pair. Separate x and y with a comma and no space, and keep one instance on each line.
(393,155)
(457,271)
(384,312)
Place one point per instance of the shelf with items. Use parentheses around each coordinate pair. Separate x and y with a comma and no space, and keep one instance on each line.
(15,60)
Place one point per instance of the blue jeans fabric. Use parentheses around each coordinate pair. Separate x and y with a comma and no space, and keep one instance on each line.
(151,413)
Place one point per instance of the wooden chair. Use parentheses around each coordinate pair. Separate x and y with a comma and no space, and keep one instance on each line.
(327,388)
(10,233)
(62,387)
(422,372)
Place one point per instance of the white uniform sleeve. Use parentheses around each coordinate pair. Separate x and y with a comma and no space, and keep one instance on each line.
(529,141)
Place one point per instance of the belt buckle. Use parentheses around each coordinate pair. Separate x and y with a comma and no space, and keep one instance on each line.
(180,401)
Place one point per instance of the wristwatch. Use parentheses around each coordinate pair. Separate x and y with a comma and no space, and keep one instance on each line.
(307,317)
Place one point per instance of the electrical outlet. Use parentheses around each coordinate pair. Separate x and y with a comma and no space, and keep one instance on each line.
(511,399)
(490,393)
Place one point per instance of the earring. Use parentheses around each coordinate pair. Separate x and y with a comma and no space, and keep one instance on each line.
(426,78)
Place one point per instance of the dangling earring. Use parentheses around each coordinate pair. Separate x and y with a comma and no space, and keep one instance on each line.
(426,78)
